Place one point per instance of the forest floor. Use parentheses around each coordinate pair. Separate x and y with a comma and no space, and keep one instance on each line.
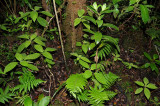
(132,46)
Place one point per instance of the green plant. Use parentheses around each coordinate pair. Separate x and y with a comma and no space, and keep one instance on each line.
(5,95)
(129,65)
(42,101)
(145,86)
(153,62)
(155,101)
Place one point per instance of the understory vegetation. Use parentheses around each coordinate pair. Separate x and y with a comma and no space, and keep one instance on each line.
(116,61)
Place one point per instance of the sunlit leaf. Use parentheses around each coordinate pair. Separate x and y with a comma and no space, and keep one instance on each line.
(42,21)
(32,56)
(19,56)
(81,12)
(87,74)
(139,83)
(47,13)
(98,37)
(147,93)
(45,101)
(139,90)
(34,15)
(28,101)
(10,66)
(151,86)
(38,48)
(84,64)
(144,13)
(47,55)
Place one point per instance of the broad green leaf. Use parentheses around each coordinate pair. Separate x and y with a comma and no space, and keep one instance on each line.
(37,8)
(139,90)
(147,93)
(89,18)
(42,38)
(81,12)
(132,2)
(98,37)
(95,6)
(24,36)
(74,54)
(33,36)
(59,2)
(91,46)
(129,8)
(47,55)
(39,48)
(151,86)
(32,67)
(103,7)
(47,13)
(139,83)
(145,80)
(86,59)
(1,72)
(100,77)
(28,101)
(34,15)
(19,56)
(78,44)
(147,65)
(155,56)
(84,64)
(144,13)
(77,21)
(10,66)
(85,48)
(49,61)
(39,41)
(89,31)
(111,26)
(148,56)
(99,22)
(153,66)
(86,24)
(115,1)
(48,49)
(87,74)
(45,101)
(24,63)
(32,56)
(21,48)
(42,21)
(94,66)
(27,43)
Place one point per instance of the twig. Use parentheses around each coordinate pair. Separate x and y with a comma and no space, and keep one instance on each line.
(60,35)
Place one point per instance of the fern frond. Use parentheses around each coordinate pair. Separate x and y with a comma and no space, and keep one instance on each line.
(110,79)
(76,83)
(106,79)
(27,82)
(21,99)
(5,95)
(111,94)
(83,96)
(97,96)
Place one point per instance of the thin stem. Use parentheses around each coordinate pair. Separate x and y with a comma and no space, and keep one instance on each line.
(60,35)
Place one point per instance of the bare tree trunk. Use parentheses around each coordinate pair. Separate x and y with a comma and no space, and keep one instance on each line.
(73,34)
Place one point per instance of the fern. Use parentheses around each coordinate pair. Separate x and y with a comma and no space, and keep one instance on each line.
(27,82)
(97,96)
(5,95)
(83,96)
(21,99)
(76,83)
(110,94)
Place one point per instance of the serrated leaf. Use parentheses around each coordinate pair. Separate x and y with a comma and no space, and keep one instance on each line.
(39,41)
(144,13)
(45,101)
(32,67)
(32,56)
(47,13)
(47,55)
(86,59)
(28,101)
(81,12)
(19,56)
(98,37)
(34,15)
(42,21)
(151,86)
(84,64)
(87,74)
(77,21)
(139,90)
(145,80)
(48,49)
(147,93)
(139,83)
(10,66)
(99,22)
(39,48)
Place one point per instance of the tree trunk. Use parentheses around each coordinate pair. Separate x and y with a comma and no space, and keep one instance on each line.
(72,34)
